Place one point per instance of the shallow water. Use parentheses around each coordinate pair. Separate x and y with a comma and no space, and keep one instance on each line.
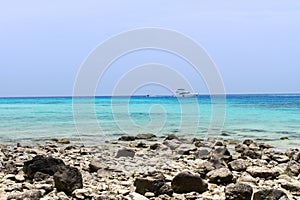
(264,117)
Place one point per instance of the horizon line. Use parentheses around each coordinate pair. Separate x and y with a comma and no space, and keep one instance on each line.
(147,95)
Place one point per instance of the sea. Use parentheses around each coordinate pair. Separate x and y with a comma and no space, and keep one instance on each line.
(270,118)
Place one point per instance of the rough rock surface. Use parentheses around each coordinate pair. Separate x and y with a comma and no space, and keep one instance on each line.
(239,191)
(68,179)
(270,194)
(186,182)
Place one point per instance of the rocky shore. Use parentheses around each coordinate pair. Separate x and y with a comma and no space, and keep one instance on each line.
(146,167)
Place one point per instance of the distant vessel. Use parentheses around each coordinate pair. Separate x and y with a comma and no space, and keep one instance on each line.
(184,93)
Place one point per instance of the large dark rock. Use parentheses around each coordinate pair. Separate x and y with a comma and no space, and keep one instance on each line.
(68,179)
(44,164)
(239,191)
(220,176)
(270,194)
(157,185)
(145,136)
(262,172)
(186,182)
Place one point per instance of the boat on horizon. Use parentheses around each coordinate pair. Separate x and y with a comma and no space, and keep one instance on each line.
(184,93)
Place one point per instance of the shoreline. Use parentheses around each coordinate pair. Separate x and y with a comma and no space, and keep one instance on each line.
(147,167)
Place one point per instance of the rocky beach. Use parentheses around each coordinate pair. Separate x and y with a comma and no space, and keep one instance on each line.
(149,167)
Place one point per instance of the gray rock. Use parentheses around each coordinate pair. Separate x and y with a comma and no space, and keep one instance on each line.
(293,168)
(238,165)
(220,176)
(202,153)
(241,148)
(280,158)
(186,182)
(263,172)
(30,194)
(95,166)
(146,136)
(125,153)
(68,179)
(270,194)
(239,191)
(251,154)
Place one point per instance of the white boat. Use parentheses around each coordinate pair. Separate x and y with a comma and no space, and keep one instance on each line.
(184,93)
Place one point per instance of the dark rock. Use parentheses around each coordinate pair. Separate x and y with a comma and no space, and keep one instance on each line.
(202,153)
(127,138)
(241,148)
(40,176)
(144,185)
(220,176)
(30,194)
(68,179)
(262,172)
(239,191)
(165,189)
(156,146)
(46,165)
(171,137)
(238,165)
(125,153)
(222,153)
(138,145)
(293,187)
(248,142)
(146,136)
(284,138)
(293,168)
(186,182)
(270,194)
(219,143)
(251,154)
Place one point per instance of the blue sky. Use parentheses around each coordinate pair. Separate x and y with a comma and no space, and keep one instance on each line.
(254,44)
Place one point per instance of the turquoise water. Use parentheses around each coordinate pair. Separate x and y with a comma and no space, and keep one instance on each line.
(264,117)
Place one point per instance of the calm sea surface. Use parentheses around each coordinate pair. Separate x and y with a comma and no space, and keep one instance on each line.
(264,117)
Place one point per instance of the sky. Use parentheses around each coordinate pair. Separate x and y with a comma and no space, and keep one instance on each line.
(255,44)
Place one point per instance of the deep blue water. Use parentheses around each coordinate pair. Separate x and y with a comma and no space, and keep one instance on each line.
(246,116)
